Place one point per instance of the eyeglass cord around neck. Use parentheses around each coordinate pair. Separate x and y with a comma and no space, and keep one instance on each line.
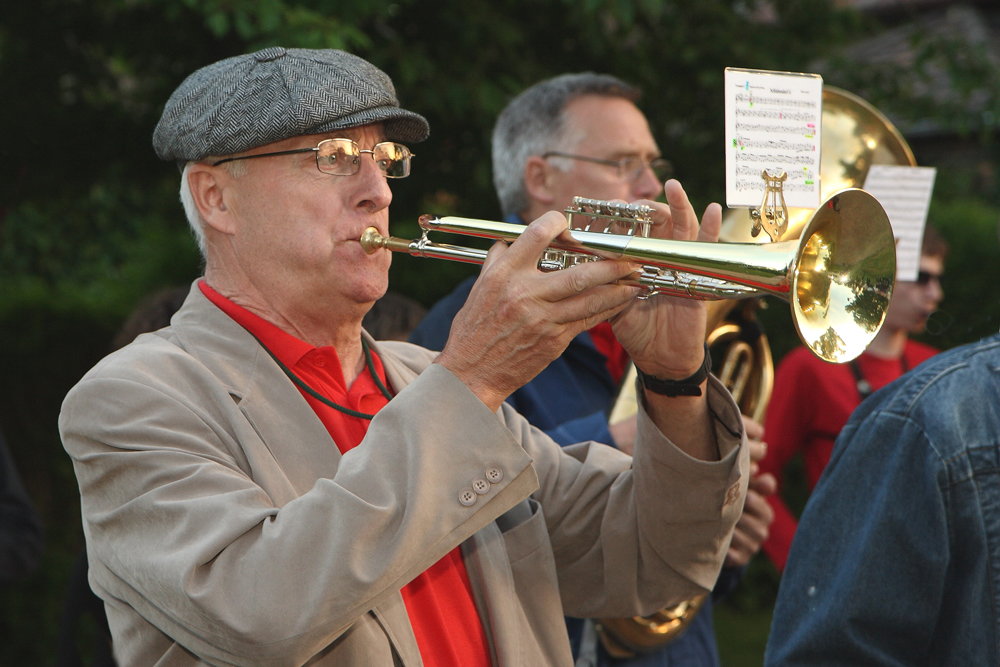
(301,384)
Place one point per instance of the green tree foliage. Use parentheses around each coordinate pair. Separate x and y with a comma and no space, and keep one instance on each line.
(89,218)
(936,75)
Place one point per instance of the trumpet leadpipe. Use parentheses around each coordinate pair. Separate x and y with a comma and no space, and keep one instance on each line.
(656,280)
(717,265)
(371,240)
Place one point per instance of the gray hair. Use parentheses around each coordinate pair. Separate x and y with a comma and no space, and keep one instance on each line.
(191,211)
(197,223)
(534,123)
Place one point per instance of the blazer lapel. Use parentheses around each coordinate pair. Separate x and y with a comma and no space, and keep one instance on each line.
(275,410)
(396,371)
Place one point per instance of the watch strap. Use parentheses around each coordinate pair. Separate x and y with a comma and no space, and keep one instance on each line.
(689,386)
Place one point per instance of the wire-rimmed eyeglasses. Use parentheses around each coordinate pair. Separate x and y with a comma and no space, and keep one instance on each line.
(342,157)
(630,169)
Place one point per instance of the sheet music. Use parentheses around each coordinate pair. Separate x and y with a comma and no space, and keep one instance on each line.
(773,122)
(905,194)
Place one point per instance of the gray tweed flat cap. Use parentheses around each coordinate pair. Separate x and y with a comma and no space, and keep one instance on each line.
(240,103)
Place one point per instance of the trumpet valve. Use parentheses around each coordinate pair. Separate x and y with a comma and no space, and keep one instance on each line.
(556,260)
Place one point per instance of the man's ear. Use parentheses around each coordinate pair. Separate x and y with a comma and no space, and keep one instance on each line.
(538,180)
(208,190)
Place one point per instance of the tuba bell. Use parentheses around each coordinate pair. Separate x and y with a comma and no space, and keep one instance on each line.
(855,135)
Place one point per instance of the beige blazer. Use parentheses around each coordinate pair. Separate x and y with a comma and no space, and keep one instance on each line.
(224,527)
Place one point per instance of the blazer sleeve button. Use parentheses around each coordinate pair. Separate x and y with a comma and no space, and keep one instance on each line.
(467,497)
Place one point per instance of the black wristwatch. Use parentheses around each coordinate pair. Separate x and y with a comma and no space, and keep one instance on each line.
(689,386)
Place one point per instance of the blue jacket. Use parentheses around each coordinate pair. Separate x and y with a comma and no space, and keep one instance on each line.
(570,400)
(896,560)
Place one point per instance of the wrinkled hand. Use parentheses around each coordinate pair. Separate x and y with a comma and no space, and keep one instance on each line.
(665,335)
(754,524)
(518,319)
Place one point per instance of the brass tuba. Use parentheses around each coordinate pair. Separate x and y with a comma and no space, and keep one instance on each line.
(855,135)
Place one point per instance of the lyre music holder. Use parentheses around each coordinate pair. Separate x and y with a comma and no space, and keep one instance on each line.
(772,214)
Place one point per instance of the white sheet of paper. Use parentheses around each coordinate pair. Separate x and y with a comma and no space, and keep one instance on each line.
(773,122)
(905,194)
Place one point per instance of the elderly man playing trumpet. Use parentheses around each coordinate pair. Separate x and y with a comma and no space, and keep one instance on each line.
(262,483)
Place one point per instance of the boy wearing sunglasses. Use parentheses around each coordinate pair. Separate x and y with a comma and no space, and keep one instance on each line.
(813,399)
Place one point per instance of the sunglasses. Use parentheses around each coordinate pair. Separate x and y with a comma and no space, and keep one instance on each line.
(925,277)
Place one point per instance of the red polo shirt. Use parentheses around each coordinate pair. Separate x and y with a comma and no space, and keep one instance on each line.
(439,601)
(616,358)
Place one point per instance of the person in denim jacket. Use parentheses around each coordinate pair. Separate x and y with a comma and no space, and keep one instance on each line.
(896,557)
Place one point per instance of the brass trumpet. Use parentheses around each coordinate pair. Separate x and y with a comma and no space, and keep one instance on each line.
(838,276)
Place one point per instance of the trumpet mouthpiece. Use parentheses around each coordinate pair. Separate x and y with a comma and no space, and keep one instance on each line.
(371,240)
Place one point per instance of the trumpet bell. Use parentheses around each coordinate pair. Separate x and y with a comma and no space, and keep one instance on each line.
(844,276)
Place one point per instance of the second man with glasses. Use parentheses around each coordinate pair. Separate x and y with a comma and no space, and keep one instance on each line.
(582,134)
